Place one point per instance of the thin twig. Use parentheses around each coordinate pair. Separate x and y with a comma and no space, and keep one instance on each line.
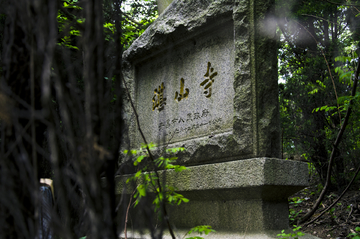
(351,210)
(127,213)
(151,157)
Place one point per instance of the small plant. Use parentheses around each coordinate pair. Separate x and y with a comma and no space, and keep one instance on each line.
(332,213)
(355,235)
(200,229)
(293,214)
(319,187)
(149,181)
(296,201)
(295,234)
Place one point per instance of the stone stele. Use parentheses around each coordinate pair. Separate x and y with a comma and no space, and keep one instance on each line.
(204,76)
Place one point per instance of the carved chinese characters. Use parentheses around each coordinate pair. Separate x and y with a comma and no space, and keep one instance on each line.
(159,101)
(181,95)
(191,121)
(185,92)
(191,117)
(208,80)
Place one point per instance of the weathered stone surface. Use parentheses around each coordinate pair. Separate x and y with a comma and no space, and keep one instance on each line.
(269,177)
(231,133)
(243,196)
(240,118)
(217,235)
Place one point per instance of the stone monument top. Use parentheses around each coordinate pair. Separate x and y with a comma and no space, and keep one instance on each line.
(204,77)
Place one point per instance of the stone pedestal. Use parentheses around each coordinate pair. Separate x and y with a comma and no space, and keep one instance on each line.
(242,197)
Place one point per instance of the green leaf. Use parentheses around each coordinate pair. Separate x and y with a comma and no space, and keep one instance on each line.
(185,200)
(300,234)
(138,173)
(346,75)
(139,159)
(321,84)
(313,91)
(323,107)
(180,168)
(142,190)
(204,228)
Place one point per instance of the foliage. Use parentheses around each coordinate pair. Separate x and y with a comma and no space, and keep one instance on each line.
(137,15)
(317,58)
(355,235)
(200,229)
(295,234)
(148,181)
(293,214)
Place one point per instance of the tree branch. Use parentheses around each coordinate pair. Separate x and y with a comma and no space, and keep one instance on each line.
(309,15)
(332,156)
(342,194)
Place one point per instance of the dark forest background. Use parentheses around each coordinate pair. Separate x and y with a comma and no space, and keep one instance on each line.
(61,97)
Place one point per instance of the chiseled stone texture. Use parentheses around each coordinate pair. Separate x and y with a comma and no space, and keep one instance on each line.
(267,178)
(244,195)
(216,235)
(269,234)
(240,119)
(238,196)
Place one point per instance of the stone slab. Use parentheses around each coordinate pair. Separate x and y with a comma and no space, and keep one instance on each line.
(204,76)
(275,178)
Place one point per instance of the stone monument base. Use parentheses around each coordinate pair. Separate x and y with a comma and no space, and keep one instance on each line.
(237,198)
(218,235)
